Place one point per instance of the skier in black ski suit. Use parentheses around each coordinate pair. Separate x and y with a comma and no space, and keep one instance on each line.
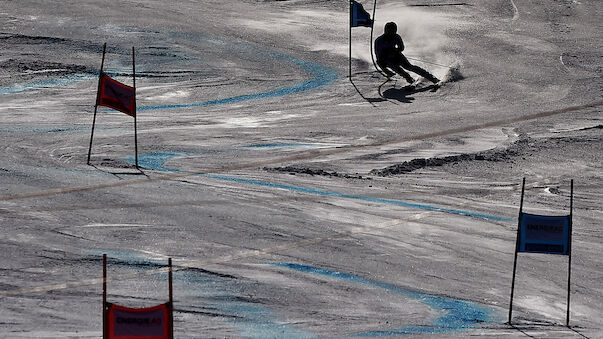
(388,48)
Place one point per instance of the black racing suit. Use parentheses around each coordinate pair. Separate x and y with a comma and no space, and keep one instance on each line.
(388,49)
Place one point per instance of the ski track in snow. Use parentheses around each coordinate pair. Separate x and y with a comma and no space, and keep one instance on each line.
(515,11)
(156,162)
(256,320)
(320,76)
(261,322)
(251,320)
(459,314)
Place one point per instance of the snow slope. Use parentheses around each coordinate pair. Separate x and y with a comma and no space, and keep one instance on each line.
(294,203)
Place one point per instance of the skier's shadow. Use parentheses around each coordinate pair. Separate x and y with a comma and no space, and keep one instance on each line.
(369,100)
(403,94)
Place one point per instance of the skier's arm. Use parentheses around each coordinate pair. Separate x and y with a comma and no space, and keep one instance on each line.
(399,43)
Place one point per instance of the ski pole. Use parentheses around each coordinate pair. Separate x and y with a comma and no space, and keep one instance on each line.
(427,62)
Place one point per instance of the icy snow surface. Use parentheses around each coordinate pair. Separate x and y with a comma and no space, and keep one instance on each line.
(295,203)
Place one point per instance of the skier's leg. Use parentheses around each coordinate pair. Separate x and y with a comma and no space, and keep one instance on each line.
(416,69)
(384,68)
(396,67)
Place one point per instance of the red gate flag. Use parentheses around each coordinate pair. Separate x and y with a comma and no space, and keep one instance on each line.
(138,323)
(116,95)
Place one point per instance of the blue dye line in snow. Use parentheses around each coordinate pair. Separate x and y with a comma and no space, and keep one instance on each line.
(276,145)
(356,197)
(259,322)
(321,77)
(67,80)
(250,319)
(156,161)
(459,314)
(20,129)
(55,82)
(58,129)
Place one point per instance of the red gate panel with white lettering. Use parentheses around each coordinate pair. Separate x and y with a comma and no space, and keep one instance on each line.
(138,323)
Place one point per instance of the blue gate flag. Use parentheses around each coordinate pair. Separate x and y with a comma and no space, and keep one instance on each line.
(544,234)
(359,16)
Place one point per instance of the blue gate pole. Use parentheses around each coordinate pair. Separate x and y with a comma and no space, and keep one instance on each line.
(523,185)
(350,40)
(569,264)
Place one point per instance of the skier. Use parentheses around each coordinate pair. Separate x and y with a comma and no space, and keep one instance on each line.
(388,48)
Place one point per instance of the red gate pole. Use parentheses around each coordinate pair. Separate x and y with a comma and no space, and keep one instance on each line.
(134,86)
(100,76)
(171,299)
(104,296)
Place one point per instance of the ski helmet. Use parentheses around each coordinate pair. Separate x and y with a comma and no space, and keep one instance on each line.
(391,28)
